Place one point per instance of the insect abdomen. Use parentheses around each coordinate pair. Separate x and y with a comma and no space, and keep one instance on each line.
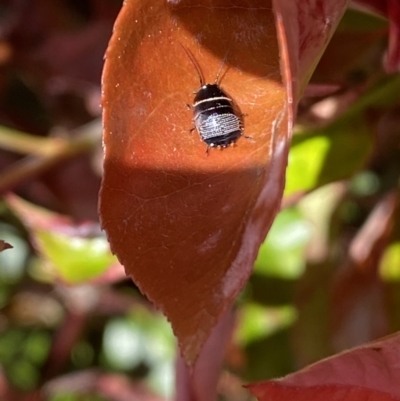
(219,129)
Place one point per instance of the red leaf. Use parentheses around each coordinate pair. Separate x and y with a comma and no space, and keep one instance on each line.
(392,62)
(370,372)
(391,10)
(304,29)
(277,391)
(187,226)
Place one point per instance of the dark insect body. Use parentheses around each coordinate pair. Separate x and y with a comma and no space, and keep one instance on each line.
(215,115)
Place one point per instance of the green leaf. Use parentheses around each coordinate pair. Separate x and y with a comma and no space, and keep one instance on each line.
(257,321)
(340,149)
(76,259)
(282,252)
(390,263)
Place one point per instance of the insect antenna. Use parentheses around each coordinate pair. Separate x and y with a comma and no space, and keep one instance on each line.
(220,69)
(196,65)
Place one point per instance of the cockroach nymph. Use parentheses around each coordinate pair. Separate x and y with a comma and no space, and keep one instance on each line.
(216,117)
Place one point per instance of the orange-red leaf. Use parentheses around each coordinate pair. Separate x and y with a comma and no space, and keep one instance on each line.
(187,226)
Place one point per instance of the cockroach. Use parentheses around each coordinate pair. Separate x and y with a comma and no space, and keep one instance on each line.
(216,116)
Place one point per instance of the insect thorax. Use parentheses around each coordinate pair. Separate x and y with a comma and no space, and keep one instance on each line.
(208,92)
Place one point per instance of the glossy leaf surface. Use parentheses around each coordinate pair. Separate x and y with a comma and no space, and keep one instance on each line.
(186,225)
